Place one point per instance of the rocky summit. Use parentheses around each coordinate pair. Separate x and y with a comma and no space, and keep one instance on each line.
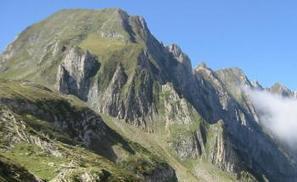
(92,95)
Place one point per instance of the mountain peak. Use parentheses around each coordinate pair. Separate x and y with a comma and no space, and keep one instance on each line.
(234,80)
(279,88)
(202,65)
(174,49)
(180,56)
(279,85)
(256,84)
(234,70)
(234,75)
(104,10)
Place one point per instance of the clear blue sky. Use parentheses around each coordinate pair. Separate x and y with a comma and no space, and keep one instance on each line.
(259,36)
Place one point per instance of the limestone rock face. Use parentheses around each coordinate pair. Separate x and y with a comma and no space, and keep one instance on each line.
(74,73)
(176,109)
(221,153)
(190,146)
(112,102)
(212,97)
(176,51)
(126,96)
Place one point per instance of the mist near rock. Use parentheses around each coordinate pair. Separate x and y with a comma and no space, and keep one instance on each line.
(276,113)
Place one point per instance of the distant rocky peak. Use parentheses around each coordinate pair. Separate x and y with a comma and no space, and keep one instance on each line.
(122,13)
(174,49)
(142,22)
(139,27)
(279,88)
(234,76)
(204,69)
(115,13)
(202,66)
(234,71)
(179,55)
(256,84)
(125,16)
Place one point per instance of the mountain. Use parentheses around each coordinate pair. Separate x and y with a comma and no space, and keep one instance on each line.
(282,90)
(198,121)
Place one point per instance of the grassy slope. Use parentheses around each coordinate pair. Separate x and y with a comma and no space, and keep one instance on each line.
(34,158)
(12,171)
(46,166)
(157,142)
(74,157)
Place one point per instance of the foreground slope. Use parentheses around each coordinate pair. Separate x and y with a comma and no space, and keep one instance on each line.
(11,171)
(111,61)
(57,138)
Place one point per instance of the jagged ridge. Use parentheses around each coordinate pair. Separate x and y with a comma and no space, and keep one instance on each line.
(204,113)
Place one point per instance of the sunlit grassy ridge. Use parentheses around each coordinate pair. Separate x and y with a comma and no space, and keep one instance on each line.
(40,48)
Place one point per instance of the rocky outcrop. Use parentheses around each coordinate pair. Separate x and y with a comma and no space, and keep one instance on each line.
(176,109)
(191,145)
(83,126)
(220,149)
(112,102)
(163,173)
(14,131)
(75,72)
(128,98)
(282,90)
(256,85)
(211,98)
(180,56)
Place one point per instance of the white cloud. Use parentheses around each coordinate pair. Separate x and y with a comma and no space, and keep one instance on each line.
(277,113)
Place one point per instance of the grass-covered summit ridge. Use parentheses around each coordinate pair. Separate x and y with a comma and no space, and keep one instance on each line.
(40,48)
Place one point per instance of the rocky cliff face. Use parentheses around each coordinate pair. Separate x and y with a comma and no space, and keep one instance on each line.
(243,131)
(111,61)
(75,72)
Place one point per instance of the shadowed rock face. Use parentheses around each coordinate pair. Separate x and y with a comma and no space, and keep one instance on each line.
(242,130)
(75,72)
(111,60)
